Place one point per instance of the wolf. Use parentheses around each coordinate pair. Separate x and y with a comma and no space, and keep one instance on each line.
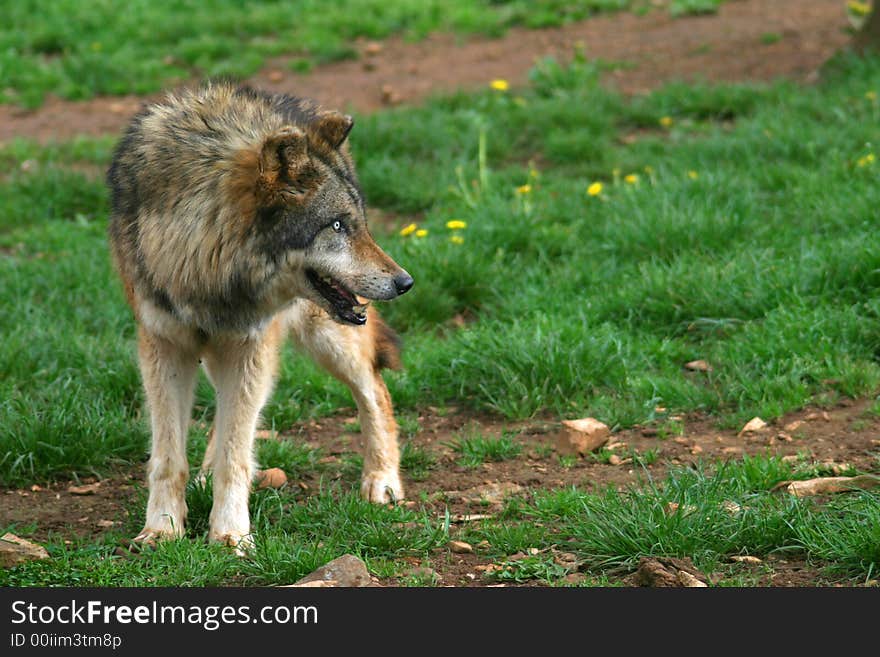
(237,220)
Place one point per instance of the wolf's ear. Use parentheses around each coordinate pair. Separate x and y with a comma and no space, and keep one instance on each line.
(284,153)
(333,127)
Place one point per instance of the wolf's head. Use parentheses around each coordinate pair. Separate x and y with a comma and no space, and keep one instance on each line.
(310,220)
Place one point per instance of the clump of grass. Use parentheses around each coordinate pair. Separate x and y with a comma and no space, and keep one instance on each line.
(416,461)
(474,450)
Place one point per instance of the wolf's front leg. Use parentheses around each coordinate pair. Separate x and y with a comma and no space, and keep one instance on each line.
(169,373)
(242,370)
(356,355)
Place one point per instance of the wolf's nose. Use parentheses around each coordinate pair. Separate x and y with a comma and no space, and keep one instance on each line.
(403,282)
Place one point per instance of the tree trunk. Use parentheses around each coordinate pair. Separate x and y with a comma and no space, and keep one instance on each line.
(868,38)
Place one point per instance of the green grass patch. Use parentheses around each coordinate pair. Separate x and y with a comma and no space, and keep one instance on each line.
(577,304)
(474,450)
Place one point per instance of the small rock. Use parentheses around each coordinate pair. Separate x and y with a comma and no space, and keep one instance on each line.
(755,425)
(460,547)
(698,366)
(696,449)
(580,437)
(266,434)
(731,450)
(791,427)
(275,76)
(614,459)
(744,558)
(650,432)
(669,572)
(15,551)
(783,436)
(345,571)
(86,489)
(373,48)
(105,523)
(390,95)
(810,417)
(271,478)
(790,458)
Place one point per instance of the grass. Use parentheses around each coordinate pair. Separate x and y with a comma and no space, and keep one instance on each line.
(78,50)
(708,514)
(474,450)
(764,263)
(581,305)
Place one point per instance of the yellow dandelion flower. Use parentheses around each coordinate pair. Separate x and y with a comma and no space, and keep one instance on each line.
(421,232)
(524,189)
(456,224)
(666,121)
(534,173)
(500,85)
(866,160)
(456,239)
(859,8)
(406,230)
(871,95)
(693,175)
(631,179)
(595,189)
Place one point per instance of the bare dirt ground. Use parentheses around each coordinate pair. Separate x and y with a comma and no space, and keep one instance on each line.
(732,45)
(745,40)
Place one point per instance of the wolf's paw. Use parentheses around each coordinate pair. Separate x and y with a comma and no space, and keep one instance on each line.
(382,487)
(150,536)
(241,544)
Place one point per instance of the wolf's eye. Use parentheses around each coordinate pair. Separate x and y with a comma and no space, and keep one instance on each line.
(337,226)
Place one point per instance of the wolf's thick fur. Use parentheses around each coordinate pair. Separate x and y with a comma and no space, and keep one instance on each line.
(237,220)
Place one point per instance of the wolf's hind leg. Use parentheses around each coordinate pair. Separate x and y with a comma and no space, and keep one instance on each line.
(169,373)
(356,355)
(243,371)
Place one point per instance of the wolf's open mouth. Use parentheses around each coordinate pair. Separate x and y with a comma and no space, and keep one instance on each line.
(344,303)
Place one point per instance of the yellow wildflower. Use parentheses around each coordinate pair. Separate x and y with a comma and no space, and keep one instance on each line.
(871,95)
(631,179)
(500,85)
(455,224)
(456,239)
(649,169)
(859,8)
(406,230)
(693,175)
(866,160)
(666,121)
(595,189)
(421,232)
(524,189)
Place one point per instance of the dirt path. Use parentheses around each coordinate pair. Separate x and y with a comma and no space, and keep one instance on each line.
(746,40)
